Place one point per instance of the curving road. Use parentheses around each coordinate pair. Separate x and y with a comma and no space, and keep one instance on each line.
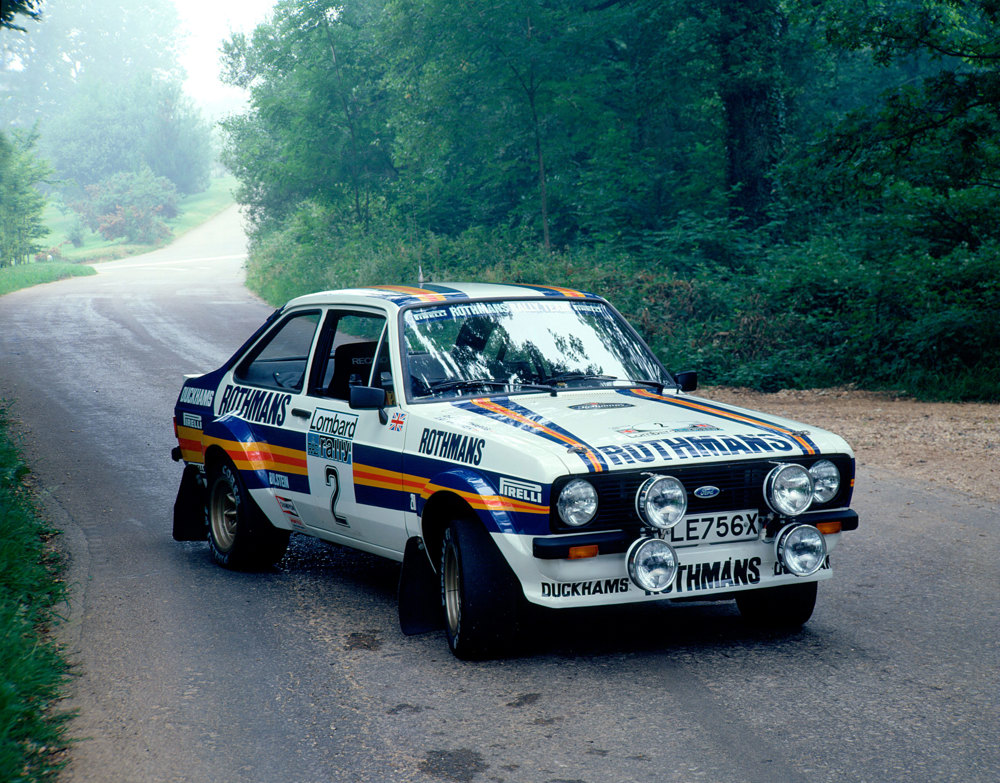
(187,672)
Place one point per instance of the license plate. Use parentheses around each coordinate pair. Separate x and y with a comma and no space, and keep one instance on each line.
(715,528)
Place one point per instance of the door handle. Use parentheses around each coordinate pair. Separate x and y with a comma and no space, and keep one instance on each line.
(302,413)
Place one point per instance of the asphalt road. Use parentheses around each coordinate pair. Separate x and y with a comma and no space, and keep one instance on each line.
(188,672)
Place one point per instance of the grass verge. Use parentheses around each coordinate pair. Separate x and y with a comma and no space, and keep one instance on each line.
(32,669)
(196,209)
(27,275)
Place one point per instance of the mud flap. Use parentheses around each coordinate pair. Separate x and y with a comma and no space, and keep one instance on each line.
(190,522)
(419,592)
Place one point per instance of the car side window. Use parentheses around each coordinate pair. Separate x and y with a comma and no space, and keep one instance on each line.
(279,360)
(346,353)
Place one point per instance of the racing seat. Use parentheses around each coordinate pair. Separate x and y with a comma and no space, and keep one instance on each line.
(352,365)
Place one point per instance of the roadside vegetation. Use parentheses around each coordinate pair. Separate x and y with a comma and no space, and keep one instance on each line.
(779,193)
(64,259)
(71,239)
(32,669)
(14,277)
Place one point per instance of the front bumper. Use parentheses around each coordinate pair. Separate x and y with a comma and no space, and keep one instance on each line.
(550,578)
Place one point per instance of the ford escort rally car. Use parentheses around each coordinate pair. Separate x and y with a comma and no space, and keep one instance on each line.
(510,445)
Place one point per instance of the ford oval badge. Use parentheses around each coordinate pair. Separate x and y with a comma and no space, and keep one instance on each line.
(706,492)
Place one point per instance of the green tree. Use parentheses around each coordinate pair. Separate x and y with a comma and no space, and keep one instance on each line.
(923,161)
(127,126)
(752,90)
(316,128)
(21,203)
(28,8)
(484,106)
(100,41)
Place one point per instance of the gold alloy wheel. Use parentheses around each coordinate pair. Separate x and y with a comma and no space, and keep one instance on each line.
(223,517)
(451,582)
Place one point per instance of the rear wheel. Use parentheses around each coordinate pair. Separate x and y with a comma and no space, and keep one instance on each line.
(779,608)
(239,535)
(480,595)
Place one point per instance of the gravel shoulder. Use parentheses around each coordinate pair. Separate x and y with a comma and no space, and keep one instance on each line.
(954,446)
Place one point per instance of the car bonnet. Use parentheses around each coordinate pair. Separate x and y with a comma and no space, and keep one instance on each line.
(606,429)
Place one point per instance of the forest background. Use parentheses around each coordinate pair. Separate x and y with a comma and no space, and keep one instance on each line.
(777,193)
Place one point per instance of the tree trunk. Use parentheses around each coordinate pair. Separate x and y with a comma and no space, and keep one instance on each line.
(751,89)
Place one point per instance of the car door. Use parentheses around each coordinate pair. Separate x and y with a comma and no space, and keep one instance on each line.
(345,500)
(265,392)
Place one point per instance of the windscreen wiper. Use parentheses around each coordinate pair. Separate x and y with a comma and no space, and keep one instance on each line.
(463,383)
(566,377)
(658,385)
(467,383)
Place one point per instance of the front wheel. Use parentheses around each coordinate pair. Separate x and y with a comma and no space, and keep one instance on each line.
(778,608)
(480,595)
(239,535)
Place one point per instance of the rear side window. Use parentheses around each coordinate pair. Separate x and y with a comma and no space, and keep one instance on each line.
(279,360)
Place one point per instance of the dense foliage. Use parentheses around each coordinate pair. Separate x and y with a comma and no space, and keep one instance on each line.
(779,192)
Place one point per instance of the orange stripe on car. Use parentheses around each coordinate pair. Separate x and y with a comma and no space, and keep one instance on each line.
(420,293)
(807,447)
(489,405)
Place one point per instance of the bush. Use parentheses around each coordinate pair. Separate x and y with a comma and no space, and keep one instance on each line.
(131,205)
(75,232)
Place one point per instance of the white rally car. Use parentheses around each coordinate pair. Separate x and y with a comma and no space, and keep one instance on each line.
(511,445)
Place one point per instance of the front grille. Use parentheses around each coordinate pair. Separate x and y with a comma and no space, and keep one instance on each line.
(740,484)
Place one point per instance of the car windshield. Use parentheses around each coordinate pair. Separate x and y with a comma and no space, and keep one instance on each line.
(521,345)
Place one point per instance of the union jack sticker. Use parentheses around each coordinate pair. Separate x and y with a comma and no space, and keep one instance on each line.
(397,422)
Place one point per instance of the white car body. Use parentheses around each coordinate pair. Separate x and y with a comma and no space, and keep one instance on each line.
(376,476)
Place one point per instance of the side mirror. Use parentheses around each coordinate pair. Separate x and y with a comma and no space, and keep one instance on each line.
(369,398)
(687,381)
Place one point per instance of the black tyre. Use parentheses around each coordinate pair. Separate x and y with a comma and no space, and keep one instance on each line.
(480,595)
(239,535)
(778,608)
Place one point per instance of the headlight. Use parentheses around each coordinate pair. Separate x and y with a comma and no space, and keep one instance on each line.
(661,502)
(577,503)
(826,481)
(652,564)
(801,549)
(788,489)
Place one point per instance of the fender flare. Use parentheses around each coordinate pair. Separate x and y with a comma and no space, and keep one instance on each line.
(456,492)
(476,491)
(234,437)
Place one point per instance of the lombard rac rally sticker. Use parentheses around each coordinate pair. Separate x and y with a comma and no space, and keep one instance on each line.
(696,426)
